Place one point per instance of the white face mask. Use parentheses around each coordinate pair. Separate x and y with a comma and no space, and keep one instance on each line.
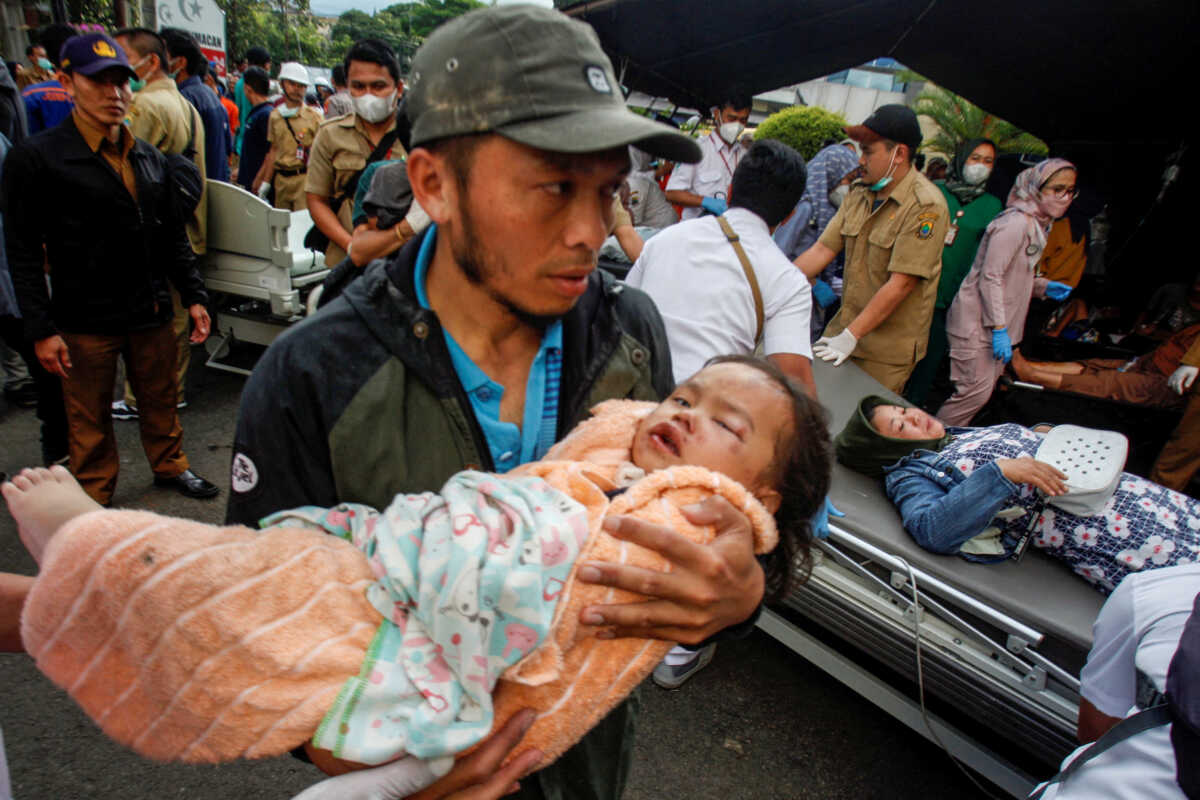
(374,108)
(838,195)
(287,112)
(976,174)
(730,131)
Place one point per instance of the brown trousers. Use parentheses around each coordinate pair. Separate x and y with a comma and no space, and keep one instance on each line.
(88,389)
(1101,378)
(1180,456)
(181,326)
(289,192)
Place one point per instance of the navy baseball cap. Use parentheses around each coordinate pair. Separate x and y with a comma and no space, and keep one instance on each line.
(91,53)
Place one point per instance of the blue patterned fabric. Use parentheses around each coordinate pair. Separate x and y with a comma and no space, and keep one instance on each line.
(1143,525)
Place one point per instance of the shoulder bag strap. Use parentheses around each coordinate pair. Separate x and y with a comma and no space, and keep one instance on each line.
(751,278)
(1130,726)
(379,152)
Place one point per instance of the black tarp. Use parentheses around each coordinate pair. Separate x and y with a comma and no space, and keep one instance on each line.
(1114,72)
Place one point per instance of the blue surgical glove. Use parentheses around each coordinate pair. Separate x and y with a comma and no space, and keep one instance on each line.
(1001,345)
(1057,291)
(820,520)
(714,205)
(823,294)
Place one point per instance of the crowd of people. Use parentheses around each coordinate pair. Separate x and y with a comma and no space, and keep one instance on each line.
(469,338)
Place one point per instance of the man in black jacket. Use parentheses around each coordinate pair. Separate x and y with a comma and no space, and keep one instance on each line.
(95,204)
(491,335)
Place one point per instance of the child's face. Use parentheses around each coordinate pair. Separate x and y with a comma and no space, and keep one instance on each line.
(727,417)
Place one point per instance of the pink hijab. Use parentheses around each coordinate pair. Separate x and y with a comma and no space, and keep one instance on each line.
(1026,193)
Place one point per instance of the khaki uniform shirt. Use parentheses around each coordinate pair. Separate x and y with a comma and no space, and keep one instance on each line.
(279,136)
(162,117)
(906,235)
(31,75)
(339,151)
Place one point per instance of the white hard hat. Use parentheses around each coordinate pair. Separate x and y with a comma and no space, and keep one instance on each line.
(292,71)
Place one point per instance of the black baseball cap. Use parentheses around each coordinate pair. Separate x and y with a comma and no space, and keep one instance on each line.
(92,53)
(533,75)
(895,122)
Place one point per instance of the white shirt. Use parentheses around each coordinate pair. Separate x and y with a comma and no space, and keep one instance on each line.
(711,176)
(1137,629)
(693,274)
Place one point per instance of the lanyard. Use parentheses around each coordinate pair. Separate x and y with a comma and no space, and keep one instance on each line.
(728,168)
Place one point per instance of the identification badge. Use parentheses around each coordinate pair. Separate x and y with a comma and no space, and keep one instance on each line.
(300,154)
(951,235)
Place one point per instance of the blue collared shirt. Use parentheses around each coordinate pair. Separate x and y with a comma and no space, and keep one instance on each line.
(510,445)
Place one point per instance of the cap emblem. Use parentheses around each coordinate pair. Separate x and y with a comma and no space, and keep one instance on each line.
(597,79)
(103,49)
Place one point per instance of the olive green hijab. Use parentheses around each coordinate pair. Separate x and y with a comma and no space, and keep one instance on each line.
(863,449)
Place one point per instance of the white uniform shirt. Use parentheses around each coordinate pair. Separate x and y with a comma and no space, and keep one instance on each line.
(711,176)
(692,273)
(1138,629)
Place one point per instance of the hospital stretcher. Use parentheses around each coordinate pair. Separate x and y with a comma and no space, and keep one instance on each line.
(1001,645)
(260,274)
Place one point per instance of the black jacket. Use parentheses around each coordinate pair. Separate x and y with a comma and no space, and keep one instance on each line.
(110,258)
(361,400)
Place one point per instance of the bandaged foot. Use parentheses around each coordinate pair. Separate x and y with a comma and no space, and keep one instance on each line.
(42,501)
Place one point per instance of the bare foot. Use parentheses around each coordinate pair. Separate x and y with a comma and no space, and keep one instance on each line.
(42,501)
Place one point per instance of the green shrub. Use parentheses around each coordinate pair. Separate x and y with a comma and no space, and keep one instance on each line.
(802,127)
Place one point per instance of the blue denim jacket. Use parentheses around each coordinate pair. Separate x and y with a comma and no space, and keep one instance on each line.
(942,508)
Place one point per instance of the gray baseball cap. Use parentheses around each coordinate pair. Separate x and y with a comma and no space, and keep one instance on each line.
(533,75)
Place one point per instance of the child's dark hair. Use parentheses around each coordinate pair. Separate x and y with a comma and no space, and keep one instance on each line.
(802,466)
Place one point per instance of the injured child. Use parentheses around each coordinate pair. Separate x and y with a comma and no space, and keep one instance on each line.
(418,629)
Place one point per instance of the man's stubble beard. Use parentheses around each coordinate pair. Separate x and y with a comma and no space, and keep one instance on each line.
(481,269)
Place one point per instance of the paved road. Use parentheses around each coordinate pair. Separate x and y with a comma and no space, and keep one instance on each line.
(760,722)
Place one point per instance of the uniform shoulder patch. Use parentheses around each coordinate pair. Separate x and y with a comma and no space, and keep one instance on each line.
(243,474)
(925,229)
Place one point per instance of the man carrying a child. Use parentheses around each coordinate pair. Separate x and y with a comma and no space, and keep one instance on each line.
(491,334)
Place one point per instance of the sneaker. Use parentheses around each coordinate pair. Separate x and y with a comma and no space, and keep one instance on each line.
(672,677)
(122,411)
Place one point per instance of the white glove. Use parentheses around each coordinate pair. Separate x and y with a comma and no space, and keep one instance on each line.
(264,188)
(392,781)
(1181,379)
(416,217)
(836,348)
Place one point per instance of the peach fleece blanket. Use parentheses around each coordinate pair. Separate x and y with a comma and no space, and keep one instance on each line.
(190,642)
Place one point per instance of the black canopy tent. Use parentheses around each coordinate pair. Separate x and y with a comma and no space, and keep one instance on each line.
(1064,70)
(1105,84)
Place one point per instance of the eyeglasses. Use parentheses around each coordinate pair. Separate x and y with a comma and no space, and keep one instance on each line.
(1062,191)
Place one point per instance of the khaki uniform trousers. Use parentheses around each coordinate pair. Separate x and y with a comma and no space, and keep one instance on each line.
(892,376)
(289,192)
(1180,456)
(87,393)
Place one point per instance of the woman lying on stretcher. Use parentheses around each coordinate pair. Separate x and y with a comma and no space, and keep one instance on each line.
(973,491)
(425,625)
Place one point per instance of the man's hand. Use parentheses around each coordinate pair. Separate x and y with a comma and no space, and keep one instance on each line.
(200,323)
(475,777)
(54,355)
(479,775)
(1181,379)
(710,587)
(836,348)
(1037,473)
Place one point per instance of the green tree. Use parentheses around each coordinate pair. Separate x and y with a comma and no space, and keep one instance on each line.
(960,120)
(802,127)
